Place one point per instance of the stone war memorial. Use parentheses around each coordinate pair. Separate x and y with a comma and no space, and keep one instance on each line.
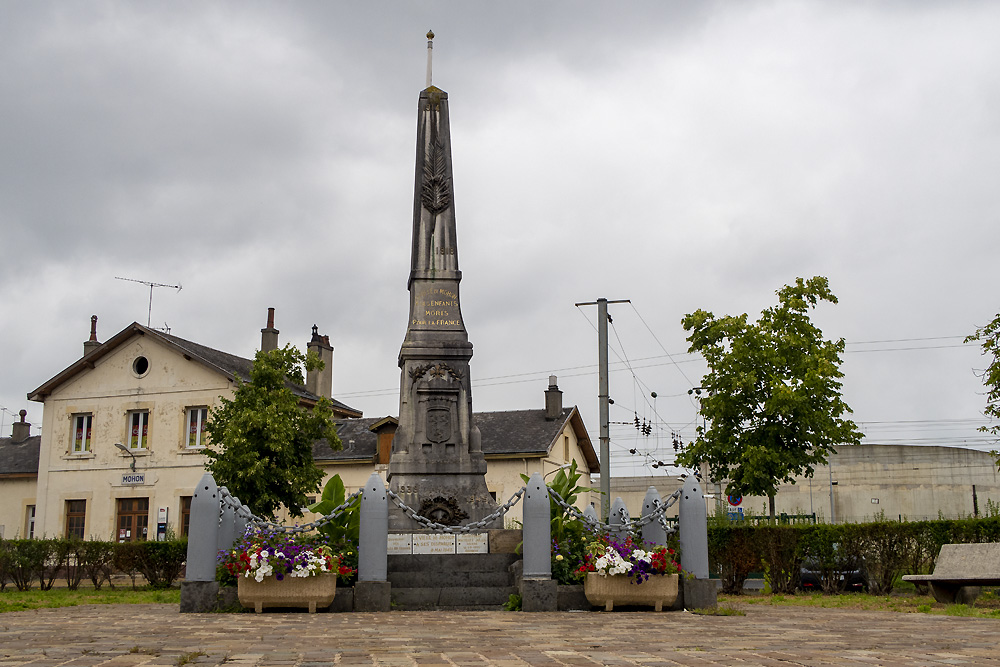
(437,465)
(435,538)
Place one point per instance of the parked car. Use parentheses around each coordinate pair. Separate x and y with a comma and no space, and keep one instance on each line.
(853,580)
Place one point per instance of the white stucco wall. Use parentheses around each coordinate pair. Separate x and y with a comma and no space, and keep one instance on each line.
(18,494)
(109,391)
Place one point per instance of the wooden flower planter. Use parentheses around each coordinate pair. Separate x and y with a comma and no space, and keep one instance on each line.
(302,592)
(658,591)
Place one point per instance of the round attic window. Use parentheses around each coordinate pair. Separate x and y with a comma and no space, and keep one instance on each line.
(140,366)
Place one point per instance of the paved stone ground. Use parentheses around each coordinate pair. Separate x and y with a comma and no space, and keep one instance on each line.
(159,635)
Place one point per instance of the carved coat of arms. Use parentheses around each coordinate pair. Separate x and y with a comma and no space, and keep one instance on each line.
(438,424)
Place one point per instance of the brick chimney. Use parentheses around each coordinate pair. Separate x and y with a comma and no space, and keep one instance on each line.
(20,431)
(321,382)
(92,344)
(269,335)
(553,400)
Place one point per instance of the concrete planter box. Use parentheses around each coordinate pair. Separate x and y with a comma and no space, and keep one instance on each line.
(304,592)
(658,591)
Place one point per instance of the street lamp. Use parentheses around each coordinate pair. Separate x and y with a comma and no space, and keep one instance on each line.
(126,450)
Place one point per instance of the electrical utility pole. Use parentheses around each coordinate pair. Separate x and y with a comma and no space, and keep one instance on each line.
(602,399)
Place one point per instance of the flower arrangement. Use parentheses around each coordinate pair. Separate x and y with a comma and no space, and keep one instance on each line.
(606,557)
(262,553)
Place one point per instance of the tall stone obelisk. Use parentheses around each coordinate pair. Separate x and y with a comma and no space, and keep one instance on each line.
(437,465)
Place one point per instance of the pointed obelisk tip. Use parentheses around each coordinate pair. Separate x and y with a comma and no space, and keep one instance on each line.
(430,50)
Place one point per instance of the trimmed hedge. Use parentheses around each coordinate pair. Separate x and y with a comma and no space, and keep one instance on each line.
(25,562)
(884,549)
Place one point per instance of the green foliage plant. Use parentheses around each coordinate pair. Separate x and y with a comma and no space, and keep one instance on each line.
(772,395)
(513,603)
(886,547)
(26,561)
(989,339)
(161,562)
(261,440)
(733,554)
(781,558)
(345,529)
(126,559)
(4,565)
(95,557)
(75,569)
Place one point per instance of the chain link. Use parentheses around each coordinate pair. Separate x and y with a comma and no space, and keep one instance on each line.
(228,498)
(631,524)
(441,528)
(658,514)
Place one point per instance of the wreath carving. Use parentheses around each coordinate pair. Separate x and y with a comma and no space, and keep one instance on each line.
(443,510)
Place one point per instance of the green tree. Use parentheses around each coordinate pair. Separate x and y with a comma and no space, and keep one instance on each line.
(771,396)
(989,338)
(261,440)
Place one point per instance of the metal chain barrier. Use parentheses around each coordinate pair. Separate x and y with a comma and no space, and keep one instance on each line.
(659,513)
(441,528)
(256,521)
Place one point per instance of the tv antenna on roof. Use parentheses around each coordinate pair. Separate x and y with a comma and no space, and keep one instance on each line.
(151,285)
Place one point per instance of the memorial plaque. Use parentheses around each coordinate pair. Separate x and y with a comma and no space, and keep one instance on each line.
(400,544)
(433,543)
(472,543)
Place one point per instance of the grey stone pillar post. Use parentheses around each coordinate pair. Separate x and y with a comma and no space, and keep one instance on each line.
(538,589)
(241,523)
(373,590)
(653,532)
(199,589)
(694,528)
(227,524)
(618,519)
(537,547)
(591,514)
(701,591)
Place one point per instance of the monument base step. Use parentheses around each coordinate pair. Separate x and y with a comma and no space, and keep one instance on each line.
(452,581)
(480,597)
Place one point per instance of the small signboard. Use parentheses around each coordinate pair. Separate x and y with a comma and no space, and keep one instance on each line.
(400,544)
(433,543)
(472,543)
(133,478)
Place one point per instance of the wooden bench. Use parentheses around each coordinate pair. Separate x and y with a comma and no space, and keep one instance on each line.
(960,571)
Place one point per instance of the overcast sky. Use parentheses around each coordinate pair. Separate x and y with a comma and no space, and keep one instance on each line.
(682,155)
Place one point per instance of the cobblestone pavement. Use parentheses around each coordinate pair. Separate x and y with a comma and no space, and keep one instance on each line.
(160,635)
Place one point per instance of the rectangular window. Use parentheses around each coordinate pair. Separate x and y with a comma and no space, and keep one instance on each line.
(76,518)
(185,515)
(138,423)
(197,417)
(29,521)
(81,433)
(133,519)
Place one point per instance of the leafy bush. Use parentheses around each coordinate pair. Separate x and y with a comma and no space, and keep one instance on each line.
(161,562)
(885,549)
(26,561)
(126,559)
(733,554)
(95,557)
(781,557)
(4,565)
